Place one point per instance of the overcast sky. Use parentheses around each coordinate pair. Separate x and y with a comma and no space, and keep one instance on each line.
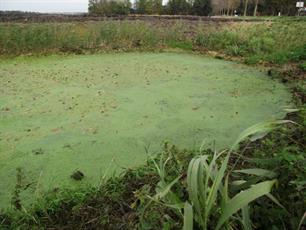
(45,5)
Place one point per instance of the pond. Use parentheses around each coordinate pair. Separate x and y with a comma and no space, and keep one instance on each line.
(102,113)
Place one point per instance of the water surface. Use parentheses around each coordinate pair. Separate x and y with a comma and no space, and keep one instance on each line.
(93,112)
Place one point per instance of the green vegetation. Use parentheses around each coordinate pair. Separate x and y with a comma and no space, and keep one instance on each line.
(59,113)
(201,7)
(149,6)
(109,8)
(280,41)
(196,7)
(210,196)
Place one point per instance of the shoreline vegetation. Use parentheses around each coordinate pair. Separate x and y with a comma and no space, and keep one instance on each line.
(275,42)
(157,195)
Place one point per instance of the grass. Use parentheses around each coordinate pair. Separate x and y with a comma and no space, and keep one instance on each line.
(80,37)
(276,41)
(157,194)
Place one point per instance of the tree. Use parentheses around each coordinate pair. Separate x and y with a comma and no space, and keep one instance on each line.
(246,2)
(106,7)
(149,6)
(92,7)
(224,6)
(286,7)
(157,6)
(141,6)
(178,7)
(202,7)
(255,8)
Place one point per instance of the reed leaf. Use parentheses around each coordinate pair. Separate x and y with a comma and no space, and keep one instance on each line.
(188,217)
(244,198)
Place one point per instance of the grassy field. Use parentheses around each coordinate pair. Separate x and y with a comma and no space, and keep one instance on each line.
(81,102)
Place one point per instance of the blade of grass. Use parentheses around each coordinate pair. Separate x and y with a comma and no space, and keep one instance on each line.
(215,187)
(188,217)
(166,189)
(246,221)
(244,198)
(257,131)
(258,172)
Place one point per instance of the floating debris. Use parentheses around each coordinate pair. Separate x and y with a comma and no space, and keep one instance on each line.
(77,175)
(38,151)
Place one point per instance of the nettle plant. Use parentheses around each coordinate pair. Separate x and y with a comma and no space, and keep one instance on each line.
(219,197)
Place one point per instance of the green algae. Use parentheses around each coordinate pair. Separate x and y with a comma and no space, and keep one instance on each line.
(101,113)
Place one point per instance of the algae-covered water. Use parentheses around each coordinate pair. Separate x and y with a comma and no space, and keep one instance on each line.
(102,113)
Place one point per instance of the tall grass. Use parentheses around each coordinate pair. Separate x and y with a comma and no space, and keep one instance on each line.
(18,39)
(278,41)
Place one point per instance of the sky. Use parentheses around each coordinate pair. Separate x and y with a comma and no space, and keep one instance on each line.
(45,6)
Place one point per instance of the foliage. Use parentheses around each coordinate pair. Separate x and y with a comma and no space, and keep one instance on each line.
(265,7)
(149,7)
(274,42)
(201,7)
(209,195)
(272,7)
(109,8)
(284,153)
(178,7)
(18,39)
(174,7)
(302,66)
